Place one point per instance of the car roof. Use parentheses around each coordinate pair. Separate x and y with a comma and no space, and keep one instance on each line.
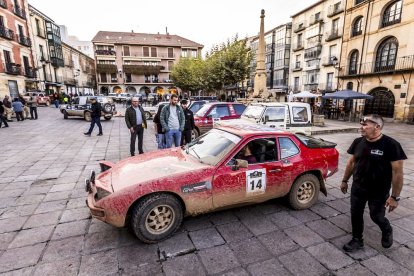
(241,129)
(280,104)
(225,103)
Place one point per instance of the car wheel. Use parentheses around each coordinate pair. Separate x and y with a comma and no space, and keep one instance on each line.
(87,116)
(107,107)
(65,115)
(304,192)
(156,217)
(107,118)
(147,115)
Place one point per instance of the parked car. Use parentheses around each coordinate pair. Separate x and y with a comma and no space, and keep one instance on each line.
(214,112)
(210,174)
(81,107)
(291,116)
(203,98)
(41,98)
(195,106)
(150,111)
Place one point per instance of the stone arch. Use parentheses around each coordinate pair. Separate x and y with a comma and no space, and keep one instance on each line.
(131,90)
(117,89)
(382,104)
(104,90)
(144,90)
(159,90)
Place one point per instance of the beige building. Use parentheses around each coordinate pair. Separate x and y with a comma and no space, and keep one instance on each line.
(316,44)
(139,63)
(378,55)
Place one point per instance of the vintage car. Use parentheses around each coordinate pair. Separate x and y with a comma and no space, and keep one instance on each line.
(152,192)
(41,97)
(81,107)
(195,106)
(150,111)
(214,112)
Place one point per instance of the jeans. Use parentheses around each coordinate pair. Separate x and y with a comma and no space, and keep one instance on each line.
(161,137)
(97,121)
(138,131)
(376,205)
(33,112)
(173,135)
(57,103)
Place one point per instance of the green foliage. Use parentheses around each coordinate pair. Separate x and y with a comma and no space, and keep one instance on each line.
(226,64)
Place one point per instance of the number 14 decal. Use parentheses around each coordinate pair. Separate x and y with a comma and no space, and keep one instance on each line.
(256,181)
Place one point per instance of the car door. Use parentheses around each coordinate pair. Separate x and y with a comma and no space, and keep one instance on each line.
(263,179)
(71,107)
(289,154)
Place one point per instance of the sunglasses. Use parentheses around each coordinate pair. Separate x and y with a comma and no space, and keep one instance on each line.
(364,121)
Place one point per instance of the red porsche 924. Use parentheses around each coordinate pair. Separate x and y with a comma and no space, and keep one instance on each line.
(228,166)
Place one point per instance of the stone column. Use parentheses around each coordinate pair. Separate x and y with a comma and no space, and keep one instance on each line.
(260,89)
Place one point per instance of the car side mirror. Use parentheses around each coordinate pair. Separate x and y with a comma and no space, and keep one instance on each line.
(240,163)
(266,119)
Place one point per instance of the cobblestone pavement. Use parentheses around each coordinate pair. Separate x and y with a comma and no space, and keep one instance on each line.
(46,229)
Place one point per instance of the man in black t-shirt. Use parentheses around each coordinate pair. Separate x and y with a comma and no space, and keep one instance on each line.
(376,165)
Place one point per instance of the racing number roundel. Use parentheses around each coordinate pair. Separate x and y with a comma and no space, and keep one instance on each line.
(256,181)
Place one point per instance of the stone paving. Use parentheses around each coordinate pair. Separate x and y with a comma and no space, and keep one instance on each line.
(46,229)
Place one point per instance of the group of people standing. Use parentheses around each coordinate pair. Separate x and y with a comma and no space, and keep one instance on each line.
(22,108)
(173,124)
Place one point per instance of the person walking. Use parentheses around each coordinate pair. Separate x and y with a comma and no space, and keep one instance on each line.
(18,109)
(56,99)
(33,108)
(172,121)
(96,110)
(26,110)
(2,118)
(8,108)
(160,135)
(189,125)
(376,166)
(136,123)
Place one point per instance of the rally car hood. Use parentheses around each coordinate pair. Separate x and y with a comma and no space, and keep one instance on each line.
(148,167)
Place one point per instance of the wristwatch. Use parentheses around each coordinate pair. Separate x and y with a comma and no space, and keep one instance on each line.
(396,198)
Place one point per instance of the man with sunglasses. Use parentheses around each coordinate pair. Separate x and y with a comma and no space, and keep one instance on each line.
(376,166)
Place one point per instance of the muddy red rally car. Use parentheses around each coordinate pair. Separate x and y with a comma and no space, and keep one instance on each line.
(226,167)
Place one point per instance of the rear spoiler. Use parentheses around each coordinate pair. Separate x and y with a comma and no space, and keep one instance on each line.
(105,165)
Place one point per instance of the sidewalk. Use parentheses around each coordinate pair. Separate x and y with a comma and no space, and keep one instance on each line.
(335,126)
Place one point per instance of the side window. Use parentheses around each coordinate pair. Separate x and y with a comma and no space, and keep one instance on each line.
(275,114)
(239,108)
(300,114)
(261,150)
(287,147)
(219,111)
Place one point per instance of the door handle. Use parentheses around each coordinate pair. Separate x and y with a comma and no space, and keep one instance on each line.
(275,170)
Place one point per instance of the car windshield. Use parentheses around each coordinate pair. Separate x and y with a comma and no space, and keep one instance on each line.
(253,111)
(203,110)
(211,147)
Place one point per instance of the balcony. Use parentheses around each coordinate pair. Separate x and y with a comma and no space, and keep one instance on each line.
(299,27)
(316,19)
(313,52)
(57,62)
(143,69)
(329,61)
(41,32)
(311,86)
(402,64)
(19,12)
(105,52)
(114,80)
(333,34)
(297,66)
(327,87)
(3,4)
(152,81)
(13,68)
(106,68)
(335,9)
(313,64)
(24,40)
(297,46)
(30,72)
(6,33)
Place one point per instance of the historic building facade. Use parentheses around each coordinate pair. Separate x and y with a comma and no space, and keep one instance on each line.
(378,55)
(139,63)
(17,72)
(316,44)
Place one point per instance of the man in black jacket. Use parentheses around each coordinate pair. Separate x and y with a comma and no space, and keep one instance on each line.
(2,118)
(136,122)
(189,125)
(96,109)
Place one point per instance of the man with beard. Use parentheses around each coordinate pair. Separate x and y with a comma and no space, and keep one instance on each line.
(172,121)
(376,166)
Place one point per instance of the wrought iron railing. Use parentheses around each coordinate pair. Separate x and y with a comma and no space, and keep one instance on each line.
(105,52)
(19,11)
(24,40)
(6,33)
(30,72)
(13,68)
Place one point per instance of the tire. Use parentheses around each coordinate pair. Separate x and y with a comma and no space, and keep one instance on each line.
(87,116)
(143,214)
(65,115)
(107,118)
(107,108)
(147,115)
(304,192)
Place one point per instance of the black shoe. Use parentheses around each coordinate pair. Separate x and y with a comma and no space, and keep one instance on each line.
(387,239)
(132,154)
(87,134)
(99,134)
(353,245)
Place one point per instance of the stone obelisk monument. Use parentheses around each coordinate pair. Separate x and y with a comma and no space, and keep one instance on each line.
(260,89)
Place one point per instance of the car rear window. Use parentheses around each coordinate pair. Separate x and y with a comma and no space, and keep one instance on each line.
(312,142)
(239,108)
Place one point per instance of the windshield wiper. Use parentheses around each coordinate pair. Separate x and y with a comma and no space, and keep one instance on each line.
(195,153)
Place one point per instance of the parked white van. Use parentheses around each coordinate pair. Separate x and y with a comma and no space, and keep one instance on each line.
(291,116)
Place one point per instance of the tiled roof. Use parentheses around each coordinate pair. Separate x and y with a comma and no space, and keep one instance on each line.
(144,39)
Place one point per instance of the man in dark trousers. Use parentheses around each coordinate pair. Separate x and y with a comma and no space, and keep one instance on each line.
(96,110)
(135,121)
(376,166)
(189,125)
(2,118)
